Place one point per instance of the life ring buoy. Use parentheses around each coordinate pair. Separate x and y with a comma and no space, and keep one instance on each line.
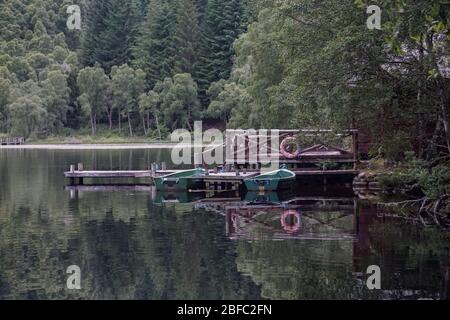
(284,151)
(288,227)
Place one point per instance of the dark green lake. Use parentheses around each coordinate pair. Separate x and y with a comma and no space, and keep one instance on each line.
(132,243)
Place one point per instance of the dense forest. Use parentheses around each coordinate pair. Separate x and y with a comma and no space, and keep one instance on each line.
(144,67)
(147,67)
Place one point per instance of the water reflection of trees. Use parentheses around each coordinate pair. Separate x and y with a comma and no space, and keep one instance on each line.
(414,264)
(159,254)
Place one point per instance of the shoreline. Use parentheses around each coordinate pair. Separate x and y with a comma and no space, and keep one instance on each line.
(112,146)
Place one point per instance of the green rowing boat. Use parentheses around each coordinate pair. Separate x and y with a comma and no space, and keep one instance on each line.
(180,180)
(270,181)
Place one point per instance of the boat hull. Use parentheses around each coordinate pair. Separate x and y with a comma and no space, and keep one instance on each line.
(180,181)
(273,181)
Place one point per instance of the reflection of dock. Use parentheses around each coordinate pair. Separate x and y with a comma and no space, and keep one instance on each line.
(301,218)
(110,188)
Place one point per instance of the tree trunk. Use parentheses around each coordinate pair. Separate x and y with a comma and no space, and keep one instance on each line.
(95,124)
(120,121)
(129,124)
(92,124)
(445,120)
(157,126)
(110,119)
(145,127)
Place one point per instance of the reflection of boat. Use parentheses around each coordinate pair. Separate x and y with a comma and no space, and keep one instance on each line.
(181,180)
(270,181)
(253,197)
(177,197)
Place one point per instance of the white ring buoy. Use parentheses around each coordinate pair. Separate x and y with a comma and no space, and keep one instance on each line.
(297,221)
(285,152)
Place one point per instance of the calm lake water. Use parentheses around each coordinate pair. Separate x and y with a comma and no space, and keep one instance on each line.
(132,243)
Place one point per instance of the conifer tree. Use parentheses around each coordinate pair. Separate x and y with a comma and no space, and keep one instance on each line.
(111,33)
(221,26)
(155,48)
(186,36)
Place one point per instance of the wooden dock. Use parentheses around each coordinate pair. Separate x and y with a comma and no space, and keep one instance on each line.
(214,180)
(11,141)
(118,174)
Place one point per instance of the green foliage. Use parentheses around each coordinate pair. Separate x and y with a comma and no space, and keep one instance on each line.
(162,38)
(155,49)
(150,105)
(434,181)
(27,115)
(187,37)
(55,96)
(179,101)
(314,64)
(110,32)
(393,147)
(127,85)
(225,97)
(93,83)
(222,24)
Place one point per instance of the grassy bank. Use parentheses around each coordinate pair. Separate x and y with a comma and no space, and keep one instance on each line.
(88,139)
(103,136)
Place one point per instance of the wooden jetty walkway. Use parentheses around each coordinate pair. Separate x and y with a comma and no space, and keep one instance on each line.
(213,181)
(11,141)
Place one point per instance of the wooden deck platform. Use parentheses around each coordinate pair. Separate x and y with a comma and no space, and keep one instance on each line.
(118,174)
(212,176)
(214,181)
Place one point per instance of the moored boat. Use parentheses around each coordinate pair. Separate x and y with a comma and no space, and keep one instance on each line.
(270,181)
(180,180)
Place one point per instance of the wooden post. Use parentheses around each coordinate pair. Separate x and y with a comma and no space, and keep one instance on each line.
(153,169)
(163,166)
(72,168)
(80,167)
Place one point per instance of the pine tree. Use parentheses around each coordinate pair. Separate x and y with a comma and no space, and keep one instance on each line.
(97,12)
(221,26)
(201,8)
(155,48)
(186,36)
(116,30)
